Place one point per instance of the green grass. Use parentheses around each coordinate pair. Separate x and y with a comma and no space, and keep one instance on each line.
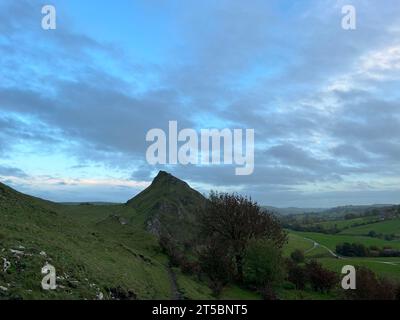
(233,292)
(342,224)
(332,240)
(385,227)
(375,264)
(385,267)
(296,242)
(95,253)
(307,294)
(87,244)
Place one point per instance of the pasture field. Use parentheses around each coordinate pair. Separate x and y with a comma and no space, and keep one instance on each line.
(385,227)
(342,224)
(379,265)
(382,266)
(331,241)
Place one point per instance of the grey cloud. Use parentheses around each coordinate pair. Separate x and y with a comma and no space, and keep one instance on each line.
(350,153)
(6,171)
(107,119)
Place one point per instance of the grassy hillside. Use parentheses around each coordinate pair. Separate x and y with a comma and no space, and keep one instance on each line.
(169,206)
(112,251)
(97,250)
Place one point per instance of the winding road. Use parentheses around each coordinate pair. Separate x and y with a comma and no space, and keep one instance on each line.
(317,245)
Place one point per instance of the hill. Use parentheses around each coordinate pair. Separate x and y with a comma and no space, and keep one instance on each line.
(99,252)
(293,210)
(12,200)
(112,251)
(169,206)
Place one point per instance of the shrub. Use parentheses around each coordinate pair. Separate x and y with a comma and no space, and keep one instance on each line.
(267,293)
(171,248)
(321,279)
(190,267)
(397,297)
(370,287)
(297,256)
(216,261)
(263,264)
(298,276)
(352,250)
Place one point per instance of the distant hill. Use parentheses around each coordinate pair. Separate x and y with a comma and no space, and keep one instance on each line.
(334,212)
(293,210)
(170,207)
(12,201)
(356,209)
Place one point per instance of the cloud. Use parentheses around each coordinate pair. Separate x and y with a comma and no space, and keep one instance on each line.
(324,102)
(8,172)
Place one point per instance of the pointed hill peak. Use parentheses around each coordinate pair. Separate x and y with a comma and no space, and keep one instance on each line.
(164,177)
(169,205)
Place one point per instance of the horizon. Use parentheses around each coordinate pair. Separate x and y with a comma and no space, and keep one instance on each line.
(77,102)
(261,204)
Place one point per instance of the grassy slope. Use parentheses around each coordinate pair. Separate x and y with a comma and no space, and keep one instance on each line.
(92,258)
(90,248)
(296,242)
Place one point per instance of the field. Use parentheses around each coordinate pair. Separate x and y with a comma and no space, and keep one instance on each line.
(325,245)
(385,227)
(342,224)
(331,241)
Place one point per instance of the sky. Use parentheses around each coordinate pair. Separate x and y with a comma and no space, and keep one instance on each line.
(324,102)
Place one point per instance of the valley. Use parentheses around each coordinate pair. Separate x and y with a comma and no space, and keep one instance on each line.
(113,251)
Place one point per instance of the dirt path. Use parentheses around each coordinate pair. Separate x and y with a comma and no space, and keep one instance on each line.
(175,293)
(316,245)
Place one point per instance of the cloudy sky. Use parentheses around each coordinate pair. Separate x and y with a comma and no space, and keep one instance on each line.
(76,102)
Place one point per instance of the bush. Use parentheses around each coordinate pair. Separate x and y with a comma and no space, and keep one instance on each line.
(217,263)
(267,293)
(190,267)
(321,279)
(297,275)
(263,264)
(297,256)
(397,297)
(370,287)
(171,248)
(352,250)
